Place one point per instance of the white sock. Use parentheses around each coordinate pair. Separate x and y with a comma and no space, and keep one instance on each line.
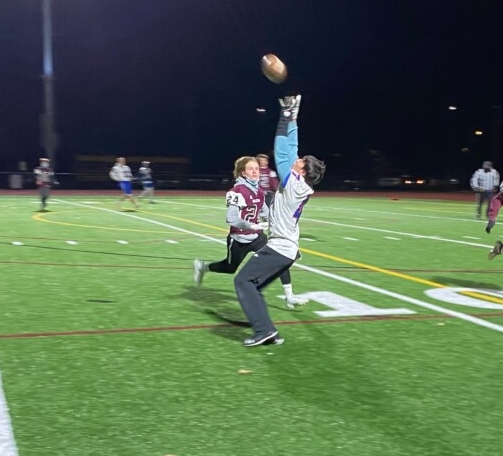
(288,290)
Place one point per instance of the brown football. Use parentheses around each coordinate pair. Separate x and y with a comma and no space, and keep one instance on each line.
(273,68)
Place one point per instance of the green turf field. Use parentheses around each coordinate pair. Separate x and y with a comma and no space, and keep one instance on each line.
(107,347)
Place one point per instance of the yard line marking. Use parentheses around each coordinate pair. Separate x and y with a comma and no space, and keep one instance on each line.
(350,239)
(364,266)
(17,243)
(170,241)
(353,210)
(417,302)
(399,233)
(404,298)
(471,237)
(122,242)
(7,442)
(392,238)
(72,242)
(400,275)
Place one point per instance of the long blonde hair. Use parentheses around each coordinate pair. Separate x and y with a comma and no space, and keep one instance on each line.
(240,165)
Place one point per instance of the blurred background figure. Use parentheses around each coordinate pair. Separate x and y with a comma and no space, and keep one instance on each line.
(121,173)
(268,178)
(146,181)
(485,183)
(44,177)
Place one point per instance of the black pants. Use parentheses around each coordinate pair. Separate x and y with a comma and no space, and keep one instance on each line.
(269,196)
(260,270)
(236,253)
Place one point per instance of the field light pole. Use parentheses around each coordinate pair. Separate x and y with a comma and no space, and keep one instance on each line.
(48,137)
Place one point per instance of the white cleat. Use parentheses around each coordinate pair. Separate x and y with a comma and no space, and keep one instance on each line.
(294,301)
(198,271)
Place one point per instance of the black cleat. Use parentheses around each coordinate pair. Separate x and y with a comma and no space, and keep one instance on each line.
(276,340)
(259,339)
(496,250)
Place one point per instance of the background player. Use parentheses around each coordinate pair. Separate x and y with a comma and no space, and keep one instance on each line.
(121,173)
(484,182)
(268,178)
(44,178)
(147,182)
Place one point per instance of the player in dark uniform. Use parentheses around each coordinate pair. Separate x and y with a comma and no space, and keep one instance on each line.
(268,178)
(245,207)
(147,182)
(44,178)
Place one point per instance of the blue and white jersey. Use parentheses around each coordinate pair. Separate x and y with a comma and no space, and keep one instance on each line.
(290,198)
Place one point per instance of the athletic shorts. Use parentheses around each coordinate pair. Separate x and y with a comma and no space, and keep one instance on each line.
(126,187)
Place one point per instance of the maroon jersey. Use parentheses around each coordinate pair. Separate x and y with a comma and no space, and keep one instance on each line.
(268,179)
(249,204)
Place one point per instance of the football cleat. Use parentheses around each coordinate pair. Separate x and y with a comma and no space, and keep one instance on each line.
(276,340)
(293,301)
(259,340)
(198,271)
(490,225)
(496,250)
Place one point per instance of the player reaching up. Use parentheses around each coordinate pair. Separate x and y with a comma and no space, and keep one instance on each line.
(297,177)
(245,209)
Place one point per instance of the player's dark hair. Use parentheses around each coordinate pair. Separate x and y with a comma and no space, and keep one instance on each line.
(240,165)
(314,168)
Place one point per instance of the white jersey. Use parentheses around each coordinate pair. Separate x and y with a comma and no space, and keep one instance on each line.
(284,215)
(121,173)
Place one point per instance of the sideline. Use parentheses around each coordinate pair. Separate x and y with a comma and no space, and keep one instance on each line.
(7,441)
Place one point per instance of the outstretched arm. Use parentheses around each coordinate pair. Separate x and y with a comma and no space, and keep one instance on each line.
(286,143)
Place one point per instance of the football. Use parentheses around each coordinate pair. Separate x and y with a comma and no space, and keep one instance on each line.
(273,68)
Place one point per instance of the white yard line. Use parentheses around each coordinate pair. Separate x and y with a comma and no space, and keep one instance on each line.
(379,230)
(7,442)
(417,302)
(397,233)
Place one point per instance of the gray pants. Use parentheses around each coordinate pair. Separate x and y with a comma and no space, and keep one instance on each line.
(261,269)
(44,195)
(482,198)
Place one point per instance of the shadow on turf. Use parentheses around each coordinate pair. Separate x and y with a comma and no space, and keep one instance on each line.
(214,303)
(465,283)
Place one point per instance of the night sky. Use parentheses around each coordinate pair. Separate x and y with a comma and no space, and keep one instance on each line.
(182,77)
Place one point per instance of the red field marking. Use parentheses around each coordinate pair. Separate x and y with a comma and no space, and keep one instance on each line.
(93,332)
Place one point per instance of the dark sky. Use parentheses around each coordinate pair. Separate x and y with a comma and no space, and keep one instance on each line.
(172,77)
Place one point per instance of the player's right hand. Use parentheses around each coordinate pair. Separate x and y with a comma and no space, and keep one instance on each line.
(260,226)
